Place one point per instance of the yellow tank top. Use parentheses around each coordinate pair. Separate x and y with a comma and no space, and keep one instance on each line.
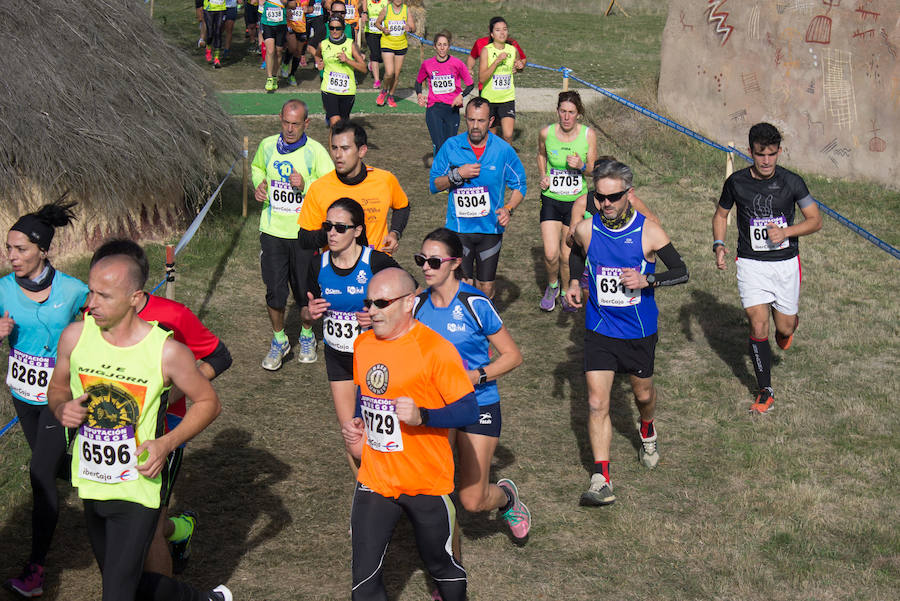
(394,24)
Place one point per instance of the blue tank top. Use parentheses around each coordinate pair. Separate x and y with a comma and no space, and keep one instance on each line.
(345,293)
(466,322)
(33,341)
(613,310)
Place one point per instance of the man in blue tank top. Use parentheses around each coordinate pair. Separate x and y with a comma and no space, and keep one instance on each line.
(622,247)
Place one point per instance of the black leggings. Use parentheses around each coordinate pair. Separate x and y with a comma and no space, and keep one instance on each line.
(372,522)
(120,533)
(47,439)
(215,23)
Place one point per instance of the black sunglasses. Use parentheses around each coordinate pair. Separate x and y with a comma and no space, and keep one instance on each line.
(382,303)
(341,28)
(615,197)
(433,262)
(340,227)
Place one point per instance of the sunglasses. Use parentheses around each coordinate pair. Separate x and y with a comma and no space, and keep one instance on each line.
(433,262)
(340,227)
(382,303)
(615,197)
(335,28)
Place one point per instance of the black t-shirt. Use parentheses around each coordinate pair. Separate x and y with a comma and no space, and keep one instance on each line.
(759,202)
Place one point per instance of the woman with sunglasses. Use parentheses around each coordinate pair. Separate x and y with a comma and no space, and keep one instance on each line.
(566,151)
(467,318)
(340,56)
(37,303)
(340,279)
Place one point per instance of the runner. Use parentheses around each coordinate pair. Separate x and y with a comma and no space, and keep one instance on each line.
(274,34)
(377,190)
(201,20)
(296,42)
(340,56)
(621,316)
(112,381)
(339,282)
(214,15)
(412,389)
(498,63)
(371,9)
(475,208)
(37,303)
(768,250)
(446,75)
(212,358)
(394,21)
(468,319)
(231,12)
(315,25)
(251,20)
(566,151)
(348,12)
(283,169)
(475,54)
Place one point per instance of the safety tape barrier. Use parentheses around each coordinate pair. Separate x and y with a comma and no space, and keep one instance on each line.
(567,73)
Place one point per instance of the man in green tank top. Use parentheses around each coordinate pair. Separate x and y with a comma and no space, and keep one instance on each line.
(111,381)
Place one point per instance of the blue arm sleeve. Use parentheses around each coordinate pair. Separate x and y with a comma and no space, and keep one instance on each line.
(358,412)
(455,415)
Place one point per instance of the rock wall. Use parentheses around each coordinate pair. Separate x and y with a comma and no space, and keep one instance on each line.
(825,72)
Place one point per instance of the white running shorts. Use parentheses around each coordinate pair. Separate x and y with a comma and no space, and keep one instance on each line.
(775,283)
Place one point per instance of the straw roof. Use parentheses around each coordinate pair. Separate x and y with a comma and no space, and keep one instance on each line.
(94,100)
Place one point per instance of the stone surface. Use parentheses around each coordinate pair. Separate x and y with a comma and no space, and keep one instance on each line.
(825,72)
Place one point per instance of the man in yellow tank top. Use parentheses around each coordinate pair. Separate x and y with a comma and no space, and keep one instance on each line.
(111,381)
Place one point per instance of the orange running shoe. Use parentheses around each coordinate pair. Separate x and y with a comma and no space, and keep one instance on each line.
(784,342)
(764,401)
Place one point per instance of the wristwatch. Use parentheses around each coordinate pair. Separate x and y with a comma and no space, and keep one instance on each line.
(651,280)
(482,377)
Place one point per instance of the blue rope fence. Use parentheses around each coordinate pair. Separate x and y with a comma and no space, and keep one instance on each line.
(185,238)
(567,74)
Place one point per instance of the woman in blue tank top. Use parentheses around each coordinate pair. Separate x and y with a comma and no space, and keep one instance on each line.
(37,303)
(339,283)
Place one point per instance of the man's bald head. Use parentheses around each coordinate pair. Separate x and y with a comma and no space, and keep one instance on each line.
(123,269)
(397,286)
(398,281)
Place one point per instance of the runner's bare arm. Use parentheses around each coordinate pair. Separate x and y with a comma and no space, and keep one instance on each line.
(68,411)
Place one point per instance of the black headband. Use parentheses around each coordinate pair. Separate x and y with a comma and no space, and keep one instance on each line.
(37,231)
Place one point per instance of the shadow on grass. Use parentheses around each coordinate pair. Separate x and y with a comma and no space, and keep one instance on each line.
(220,267)
(725,328)
(231,483)
(506,292)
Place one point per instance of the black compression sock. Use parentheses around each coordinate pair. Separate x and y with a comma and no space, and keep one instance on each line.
(761,356)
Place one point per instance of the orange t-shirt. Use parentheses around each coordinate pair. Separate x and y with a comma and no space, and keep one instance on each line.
(378,193)
(398,459)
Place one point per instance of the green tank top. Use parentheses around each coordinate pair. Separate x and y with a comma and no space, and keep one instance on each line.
(126,407)
(565,184)
(374,7)
(337,77)
(501,87)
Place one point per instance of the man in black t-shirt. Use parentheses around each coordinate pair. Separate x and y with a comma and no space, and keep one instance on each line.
(768,262)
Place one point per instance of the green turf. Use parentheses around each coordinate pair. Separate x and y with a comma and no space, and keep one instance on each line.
(261,103)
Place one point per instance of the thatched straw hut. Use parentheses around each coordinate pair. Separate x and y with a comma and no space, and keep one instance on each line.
(95,101)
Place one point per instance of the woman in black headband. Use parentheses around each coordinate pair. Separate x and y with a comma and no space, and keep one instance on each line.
(37,303)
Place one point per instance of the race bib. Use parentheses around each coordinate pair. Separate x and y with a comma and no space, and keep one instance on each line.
(382,425)
(340,330)
(396,27)
(297,14)
(274,13)
(442,84)
(351,12)
(759,235)
(372,23)
(28,375)
(565,181)
(611,292)
(472,202)
(338,83)
(316,11)
(283,198)
(107,454)
(502,82)
(216,2)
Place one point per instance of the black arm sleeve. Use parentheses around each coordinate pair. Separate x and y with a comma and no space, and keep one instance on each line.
(468,90)
(418,87)
(219,359)
(576,262)
(677,271)
(312,239)
(399,219)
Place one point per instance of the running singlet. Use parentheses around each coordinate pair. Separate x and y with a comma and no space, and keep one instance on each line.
(395,25)
(501,86)
(373,8)
(337,77)
(345,292)
(398,459)
(279,211)
(472,207)
(272,12)
(443,79)
(761,202)
(214,5)
(613,310)
(565,184)
(466,322)
(352,15)
(296,17)
(377,193)
(125,408)
(32,342)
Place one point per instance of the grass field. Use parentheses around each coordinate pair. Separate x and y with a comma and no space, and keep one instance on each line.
(802,504)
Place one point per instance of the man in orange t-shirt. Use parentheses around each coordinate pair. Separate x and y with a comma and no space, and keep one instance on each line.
(377,190)
(413,388)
